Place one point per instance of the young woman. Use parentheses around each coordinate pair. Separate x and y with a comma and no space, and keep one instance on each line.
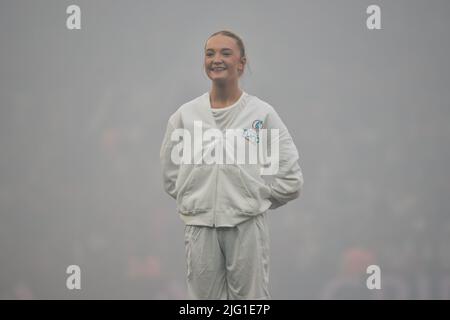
(224,204)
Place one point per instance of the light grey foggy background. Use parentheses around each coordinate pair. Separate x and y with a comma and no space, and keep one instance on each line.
(83,113)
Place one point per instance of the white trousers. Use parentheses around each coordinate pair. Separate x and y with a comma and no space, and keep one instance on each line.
(228,262)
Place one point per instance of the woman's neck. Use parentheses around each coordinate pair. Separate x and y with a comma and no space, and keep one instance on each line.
(223,96)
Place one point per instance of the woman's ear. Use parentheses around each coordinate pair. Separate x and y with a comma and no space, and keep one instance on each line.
(243,62)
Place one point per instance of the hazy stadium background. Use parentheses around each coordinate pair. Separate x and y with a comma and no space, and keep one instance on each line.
(83,113)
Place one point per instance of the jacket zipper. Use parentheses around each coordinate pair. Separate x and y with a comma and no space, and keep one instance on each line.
(215,196)
(217,166)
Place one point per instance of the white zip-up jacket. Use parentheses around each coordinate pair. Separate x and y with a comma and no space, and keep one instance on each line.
(214,193)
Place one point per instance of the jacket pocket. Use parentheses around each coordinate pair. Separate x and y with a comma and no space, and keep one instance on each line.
(235,192)
(196,195)
(251,177)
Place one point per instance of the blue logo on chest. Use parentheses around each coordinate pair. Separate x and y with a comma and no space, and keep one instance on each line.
(253,133)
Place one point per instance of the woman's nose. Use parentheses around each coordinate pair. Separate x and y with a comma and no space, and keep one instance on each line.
(217,60)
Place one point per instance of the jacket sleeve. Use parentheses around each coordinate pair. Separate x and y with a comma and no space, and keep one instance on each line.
(287,183)
(169,168)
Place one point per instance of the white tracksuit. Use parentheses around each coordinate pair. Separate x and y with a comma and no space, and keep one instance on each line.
(224,204)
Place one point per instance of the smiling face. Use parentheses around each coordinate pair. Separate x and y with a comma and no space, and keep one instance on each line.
(223,61)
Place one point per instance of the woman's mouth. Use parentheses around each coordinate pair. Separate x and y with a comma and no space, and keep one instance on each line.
(218,69)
